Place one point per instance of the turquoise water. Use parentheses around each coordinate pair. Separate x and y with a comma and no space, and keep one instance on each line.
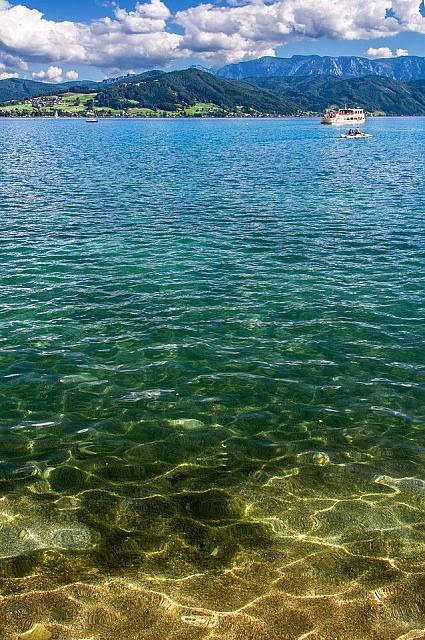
(212,380)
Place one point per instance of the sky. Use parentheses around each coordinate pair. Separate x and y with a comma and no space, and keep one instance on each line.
(55,41)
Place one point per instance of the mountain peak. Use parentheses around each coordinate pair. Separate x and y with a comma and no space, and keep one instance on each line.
(404,69)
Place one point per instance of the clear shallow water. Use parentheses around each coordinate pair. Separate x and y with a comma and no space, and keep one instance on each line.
(212,379)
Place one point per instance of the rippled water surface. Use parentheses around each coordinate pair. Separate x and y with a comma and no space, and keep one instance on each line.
(212,380)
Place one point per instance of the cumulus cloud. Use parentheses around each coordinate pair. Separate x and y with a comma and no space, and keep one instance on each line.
(52,74)
(131,39)
(13,62)
(149,35)
(386,52)
(5,74)
(9,65)
(258,27)
(380,52)
(71,75)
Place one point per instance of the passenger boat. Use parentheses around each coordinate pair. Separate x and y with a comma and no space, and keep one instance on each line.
(345,116)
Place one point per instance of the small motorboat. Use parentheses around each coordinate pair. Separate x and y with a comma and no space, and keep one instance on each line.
(354,134)
(92,117)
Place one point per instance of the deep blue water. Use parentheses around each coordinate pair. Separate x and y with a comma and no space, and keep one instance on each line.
(212,383)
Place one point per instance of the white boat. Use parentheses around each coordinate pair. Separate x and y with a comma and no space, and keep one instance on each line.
(341,117)
(56,114)
(355,135)
(92,117)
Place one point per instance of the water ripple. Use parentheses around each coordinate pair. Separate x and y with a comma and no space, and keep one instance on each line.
(212,381)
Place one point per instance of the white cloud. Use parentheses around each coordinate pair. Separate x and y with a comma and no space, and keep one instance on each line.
(13,62)
(386,52)
(5,74)
(258,26)
(380,52)
(52,74)
(9,65)
(150,35)
(133,39)
(71,75)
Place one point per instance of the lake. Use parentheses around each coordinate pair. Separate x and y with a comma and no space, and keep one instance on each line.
(212,381)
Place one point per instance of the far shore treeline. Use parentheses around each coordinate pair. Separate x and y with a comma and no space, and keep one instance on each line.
(195,92)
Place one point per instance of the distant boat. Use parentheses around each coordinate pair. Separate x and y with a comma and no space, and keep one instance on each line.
(56,114)
(353,135)
(341,117)
(92,117)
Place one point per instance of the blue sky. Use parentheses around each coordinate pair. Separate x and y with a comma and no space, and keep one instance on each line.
(102,38)
(89,9)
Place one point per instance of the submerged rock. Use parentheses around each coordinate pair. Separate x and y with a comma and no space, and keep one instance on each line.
(321,459)
(189,424)
(412,485)
(16,540)
(37,632)
(66,478)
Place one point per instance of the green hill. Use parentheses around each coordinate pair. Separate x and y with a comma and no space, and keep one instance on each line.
(181,89)
(375,94)
(18,89)
(21,89)
(196,92)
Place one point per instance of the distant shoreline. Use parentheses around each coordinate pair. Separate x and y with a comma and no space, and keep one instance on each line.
(276,117)
(84,118)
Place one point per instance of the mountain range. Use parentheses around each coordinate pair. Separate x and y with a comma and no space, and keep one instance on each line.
(274,86)
(403,69)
